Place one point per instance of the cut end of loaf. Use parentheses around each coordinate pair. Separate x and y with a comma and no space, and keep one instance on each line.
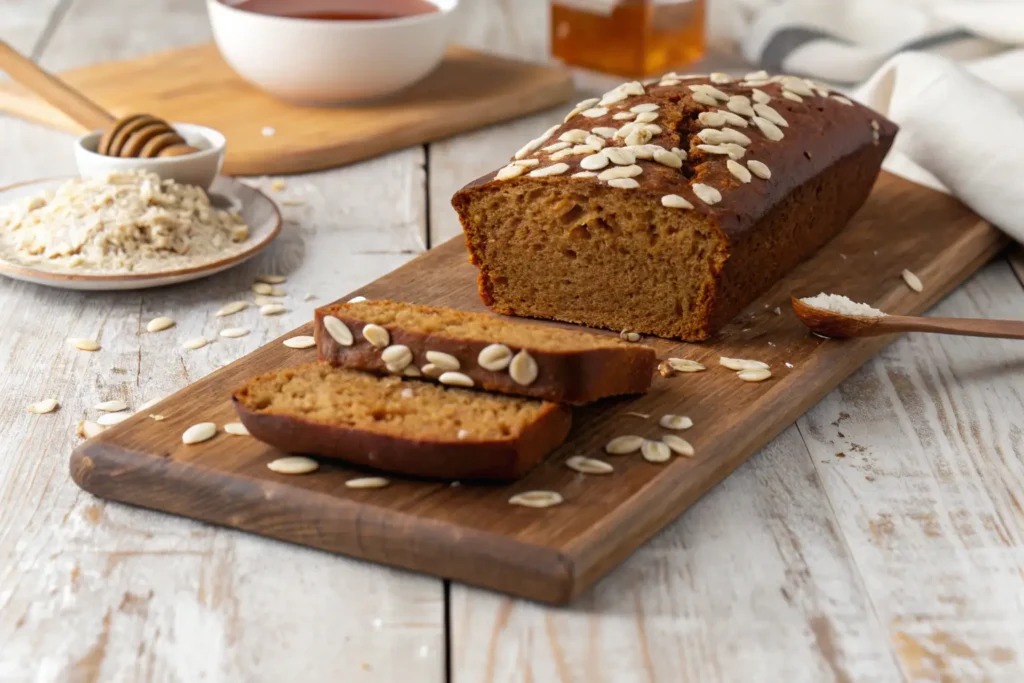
(570,251)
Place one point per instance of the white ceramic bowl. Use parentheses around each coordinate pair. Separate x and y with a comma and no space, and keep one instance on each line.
(316,61)
(198,168)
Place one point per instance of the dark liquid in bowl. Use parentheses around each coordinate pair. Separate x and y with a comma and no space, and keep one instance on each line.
(338,10)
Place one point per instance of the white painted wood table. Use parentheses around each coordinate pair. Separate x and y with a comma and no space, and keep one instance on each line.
(881,538)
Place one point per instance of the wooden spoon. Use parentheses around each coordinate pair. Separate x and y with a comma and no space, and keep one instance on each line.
(74,104)
(840,326)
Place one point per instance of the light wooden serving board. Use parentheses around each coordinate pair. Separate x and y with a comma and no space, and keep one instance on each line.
(469,532)
(194,85)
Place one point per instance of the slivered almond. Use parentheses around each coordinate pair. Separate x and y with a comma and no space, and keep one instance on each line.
(621,445)
(585,465)
(536,499)
(293,464)
(272,309)
(272,279)
(655,451)
(300,342)
(740,364)
(198,433)
(523,368)
(376,335)
(676,422)
(396,357)
(455,379)
(159,324)
(83,344)
(231,308)
(759,169)
(706,193)
(338,330)
(367,483)
(234,332)
(494,357)
(113,406)
(262,288)
(755,375)
(196,343)
(678,445)
(108,419)
(445,361)
(236,429)
(685,365)
(770,130)
(88,429)
(913,281)
(47,405)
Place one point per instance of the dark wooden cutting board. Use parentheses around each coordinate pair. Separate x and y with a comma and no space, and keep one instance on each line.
(469,532)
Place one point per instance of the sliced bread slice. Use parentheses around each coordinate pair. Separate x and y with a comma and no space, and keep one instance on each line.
(408,427)
(482,351)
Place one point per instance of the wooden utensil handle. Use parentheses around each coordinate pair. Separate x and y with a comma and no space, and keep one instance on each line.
(970,327)
(77,106)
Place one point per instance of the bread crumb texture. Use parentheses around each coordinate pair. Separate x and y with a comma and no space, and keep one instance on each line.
(394,406)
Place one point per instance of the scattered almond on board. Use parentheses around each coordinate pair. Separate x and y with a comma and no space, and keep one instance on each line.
(294,464)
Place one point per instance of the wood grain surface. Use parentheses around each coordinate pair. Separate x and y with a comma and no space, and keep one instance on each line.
(877,540)
(468,90)
(469,532)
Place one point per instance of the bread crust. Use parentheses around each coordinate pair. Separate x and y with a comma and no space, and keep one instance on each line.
(450,459)
(828,142)
(576,377)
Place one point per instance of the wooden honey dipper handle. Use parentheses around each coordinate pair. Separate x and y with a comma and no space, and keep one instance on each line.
(77,106)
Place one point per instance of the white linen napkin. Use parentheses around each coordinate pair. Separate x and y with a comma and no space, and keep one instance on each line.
(950,73)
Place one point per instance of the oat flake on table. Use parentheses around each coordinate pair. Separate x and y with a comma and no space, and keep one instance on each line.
(120,222)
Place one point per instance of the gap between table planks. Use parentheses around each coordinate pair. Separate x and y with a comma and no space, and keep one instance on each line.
(470,533)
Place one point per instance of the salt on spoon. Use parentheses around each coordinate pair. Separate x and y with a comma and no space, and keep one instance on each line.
(836,316)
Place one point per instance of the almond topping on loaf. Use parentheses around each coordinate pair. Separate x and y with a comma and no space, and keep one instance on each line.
(741,157)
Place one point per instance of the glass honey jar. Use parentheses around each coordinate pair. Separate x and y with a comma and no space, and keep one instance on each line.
(631,38)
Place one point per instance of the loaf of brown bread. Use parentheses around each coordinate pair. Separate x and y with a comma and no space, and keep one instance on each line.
(666,208)
(404,426)
(482,351)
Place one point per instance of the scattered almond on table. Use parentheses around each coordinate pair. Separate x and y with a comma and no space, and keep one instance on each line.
(194,344)
(47,405)
(231,308)
(83,344)
(159,324)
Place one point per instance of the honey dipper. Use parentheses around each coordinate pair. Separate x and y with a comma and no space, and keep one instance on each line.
(136,135)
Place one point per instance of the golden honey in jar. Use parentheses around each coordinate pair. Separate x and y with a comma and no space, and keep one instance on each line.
(633,38)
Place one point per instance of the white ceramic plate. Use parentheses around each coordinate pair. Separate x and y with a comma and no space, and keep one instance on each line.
(257,210)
